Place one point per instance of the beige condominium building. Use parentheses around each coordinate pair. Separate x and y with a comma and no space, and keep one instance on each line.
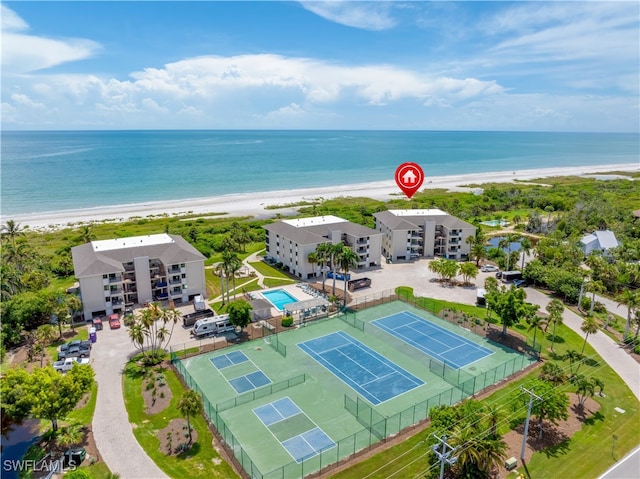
(426,233)
(291,241)
(118,273)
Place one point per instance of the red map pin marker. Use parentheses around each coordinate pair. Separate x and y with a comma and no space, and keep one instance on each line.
(409,178)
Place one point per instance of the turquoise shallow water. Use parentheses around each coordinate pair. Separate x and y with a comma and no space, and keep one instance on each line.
(59,170)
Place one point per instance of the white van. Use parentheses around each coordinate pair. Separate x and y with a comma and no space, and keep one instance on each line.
(211,326)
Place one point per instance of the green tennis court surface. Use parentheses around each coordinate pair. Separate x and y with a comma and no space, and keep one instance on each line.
(307,416)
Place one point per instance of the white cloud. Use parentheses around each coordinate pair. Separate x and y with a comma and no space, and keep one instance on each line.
(360,14)
(23,53)
(10,21)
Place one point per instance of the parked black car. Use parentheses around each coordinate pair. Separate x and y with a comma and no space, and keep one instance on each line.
(74,352)
(499,274)
(76,343)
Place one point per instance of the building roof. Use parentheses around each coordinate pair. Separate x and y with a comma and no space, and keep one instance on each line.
(606,239)
(404,220)
(107,256)
(316,230)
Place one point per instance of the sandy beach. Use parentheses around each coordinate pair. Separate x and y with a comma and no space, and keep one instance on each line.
(261,204)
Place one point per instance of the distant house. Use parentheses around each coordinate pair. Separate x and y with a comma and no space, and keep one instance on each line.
(602,241)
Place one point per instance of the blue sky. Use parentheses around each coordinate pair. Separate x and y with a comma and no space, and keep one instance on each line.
(552,66)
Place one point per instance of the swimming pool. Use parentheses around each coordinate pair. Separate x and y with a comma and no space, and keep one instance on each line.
(279,297)
(495,223)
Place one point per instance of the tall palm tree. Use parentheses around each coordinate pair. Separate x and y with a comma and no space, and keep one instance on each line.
(323,254)
(589,326)
(12,231)
(313,259)
(632,300)
(334,251)
(505,242)
(190,404)
(231,264)
(555,308)
(525,249)
(594,286)
(537,323)
(220,271)
(346,259)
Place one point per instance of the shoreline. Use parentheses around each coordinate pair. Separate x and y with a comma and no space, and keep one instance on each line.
(256,204)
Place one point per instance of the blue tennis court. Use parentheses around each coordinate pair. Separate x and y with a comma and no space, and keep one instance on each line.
(229,359)
(298,434)
(437,342)
(370,374)
(250,381)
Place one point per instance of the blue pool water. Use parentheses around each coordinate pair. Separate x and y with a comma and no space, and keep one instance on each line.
(495,223)
(279,297)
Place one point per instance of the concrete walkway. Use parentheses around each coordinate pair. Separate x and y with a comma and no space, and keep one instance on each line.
(112,430)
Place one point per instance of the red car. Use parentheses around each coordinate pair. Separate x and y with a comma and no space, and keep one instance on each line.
(114,321)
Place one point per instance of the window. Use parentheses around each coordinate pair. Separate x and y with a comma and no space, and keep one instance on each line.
(184,276)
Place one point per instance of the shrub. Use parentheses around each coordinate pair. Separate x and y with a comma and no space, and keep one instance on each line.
(287,321)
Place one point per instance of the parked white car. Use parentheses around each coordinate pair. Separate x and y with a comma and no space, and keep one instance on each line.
(489,268)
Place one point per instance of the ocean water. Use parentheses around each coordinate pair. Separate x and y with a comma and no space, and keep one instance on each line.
(45,171)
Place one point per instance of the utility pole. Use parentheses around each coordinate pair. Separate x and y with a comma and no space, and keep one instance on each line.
(444,452)
(526,423)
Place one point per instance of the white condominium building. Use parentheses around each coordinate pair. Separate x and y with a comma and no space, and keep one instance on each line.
(426,233)
(121,272)
(291,241)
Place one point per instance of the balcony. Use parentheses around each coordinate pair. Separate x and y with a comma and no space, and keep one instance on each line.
(174,270)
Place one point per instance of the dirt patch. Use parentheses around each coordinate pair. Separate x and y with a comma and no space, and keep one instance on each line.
(554,435)
(156,393)
(175,437)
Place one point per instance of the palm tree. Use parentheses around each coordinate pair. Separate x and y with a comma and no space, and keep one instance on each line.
(323,254)
(555,308)
(479,452)
(632,300)
(12,231)
(574,357)
(346,259)
(594,286)
(505,242)
(70,435)
(86,235)
(589,326)
(478,252)
(43,336)
(334,251)
(525,248)
(74,305)
(537,323)
(190,404)
(313,259)
(220,271)
(468,271)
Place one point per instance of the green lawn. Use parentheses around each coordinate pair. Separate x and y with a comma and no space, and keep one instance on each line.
(266,270)
(587,454)
(202,461)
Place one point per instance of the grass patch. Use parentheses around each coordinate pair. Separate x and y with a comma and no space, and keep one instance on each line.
(84,414)
(273,283)
(266,270)
(588,452)
(98,470)
(202,461)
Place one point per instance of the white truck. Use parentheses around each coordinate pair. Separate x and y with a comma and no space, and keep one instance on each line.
(66,364)
(199,303)
(212,326)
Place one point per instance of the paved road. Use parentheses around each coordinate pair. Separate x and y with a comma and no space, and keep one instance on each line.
(627,468)
(616,357)
(112,430)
